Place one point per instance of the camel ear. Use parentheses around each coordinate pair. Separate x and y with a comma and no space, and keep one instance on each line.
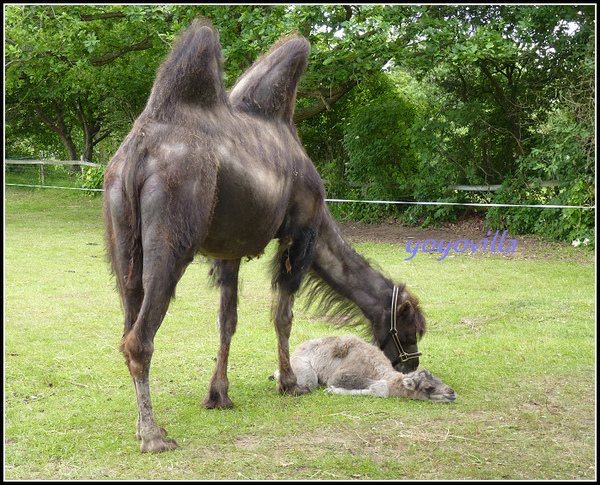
(404,307)
(409,383)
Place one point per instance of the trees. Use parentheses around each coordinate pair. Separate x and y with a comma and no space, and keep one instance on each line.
(438,95)
(500,69)
(68,71)
(83,72)
(502,83)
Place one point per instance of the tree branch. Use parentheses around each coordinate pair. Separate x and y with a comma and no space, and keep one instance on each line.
(326,99)
(102,16)
(327,93)
(118,14)
(108,58)
(348,9)
(102,137)
(96,61)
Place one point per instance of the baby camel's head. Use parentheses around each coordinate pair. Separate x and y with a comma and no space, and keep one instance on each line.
(421,384)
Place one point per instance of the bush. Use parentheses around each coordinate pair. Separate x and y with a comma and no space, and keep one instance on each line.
(381,164)
(93,178)
(563,150)
(569,225)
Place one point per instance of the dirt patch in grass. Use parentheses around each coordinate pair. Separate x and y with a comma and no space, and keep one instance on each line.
(528,247)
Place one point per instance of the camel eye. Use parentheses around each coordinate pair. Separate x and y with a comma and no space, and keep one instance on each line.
(429,389)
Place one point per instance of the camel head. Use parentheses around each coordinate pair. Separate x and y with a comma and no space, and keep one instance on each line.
(422,384)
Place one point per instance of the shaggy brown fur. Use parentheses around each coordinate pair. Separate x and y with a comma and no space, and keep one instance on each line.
(222,174)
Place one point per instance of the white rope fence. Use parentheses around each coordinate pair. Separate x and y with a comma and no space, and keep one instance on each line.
(471,204)
(408,202)
(461,187)
(54,187)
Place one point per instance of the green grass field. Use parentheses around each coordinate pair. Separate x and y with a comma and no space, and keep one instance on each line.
(514,336)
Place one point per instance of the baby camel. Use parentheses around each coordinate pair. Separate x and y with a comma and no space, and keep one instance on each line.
(349,365)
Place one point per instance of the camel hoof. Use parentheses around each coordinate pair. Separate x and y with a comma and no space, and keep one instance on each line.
(158,445)
(162,430)
(294,391)
(299,390)
(217,402)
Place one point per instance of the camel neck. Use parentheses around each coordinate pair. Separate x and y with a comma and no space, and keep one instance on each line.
(349,274)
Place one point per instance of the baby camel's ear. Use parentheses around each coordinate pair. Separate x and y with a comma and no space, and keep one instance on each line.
(409,383)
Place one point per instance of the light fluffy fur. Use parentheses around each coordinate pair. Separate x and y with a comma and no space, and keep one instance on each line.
(349,365)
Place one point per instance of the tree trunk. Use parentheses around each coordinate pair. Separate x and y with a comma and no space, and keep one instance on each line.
(90,126)
(59,127)
(509,107)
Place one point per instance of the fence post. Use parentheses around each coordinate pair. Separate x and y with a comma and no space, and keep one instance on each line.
(41,168)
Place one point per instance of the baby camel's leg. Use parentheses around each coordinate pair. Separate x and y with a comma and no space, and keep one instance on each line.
(350,384)
(304,371)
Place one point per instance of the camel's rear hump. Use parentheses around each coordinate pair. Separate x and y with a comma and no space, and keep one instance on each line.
(192,73)
(268,88)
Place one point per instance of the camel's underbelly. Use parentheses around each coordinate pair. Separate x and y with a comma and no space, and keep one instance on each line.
(233,247)
(243,223)
(254,200)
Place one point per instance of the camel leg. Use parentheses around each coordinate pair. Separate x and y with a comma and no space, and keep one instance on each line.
(219,384)
(295,257)
(350,381)
(132,298)
(126,263)
(287,383)
(377,389)
(354,384)
(138,345)
(163,264)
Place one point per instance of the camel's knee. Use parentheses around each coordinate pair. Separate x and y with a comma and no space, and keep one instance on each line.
(137,354)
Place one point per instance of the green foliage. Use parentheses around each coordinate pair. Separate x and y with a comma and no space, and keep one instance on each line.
(564,150)
(378,147)
(78,75)
(496,72)
(71,78)
(519,220)
(362,148)
(93,178)
(412,99)
(572,225)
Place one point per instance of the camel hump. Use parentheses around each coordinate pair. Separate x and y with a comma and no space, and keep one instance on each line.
(191,73)
(268,88)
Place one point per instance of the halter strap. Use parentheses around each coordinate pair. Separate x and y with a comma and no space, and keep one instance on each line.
(393,333)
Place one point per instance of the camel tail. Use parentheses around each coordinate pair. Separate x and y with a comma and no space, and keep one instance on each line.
(121,210)
(191,74)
